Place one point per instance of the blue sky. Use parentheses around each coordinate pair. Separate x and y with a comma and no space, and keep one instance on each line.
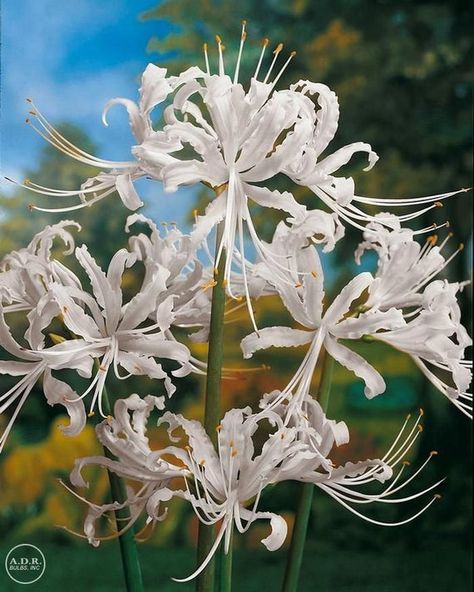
(71,57)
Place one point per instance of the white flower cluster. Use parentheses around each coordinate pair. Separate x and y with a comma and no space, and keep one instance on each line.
(234,140)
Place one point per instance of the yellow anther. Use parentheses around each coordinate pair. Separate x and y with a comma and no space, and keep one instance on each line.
(231,444)
(56,338)
(265,42)
(433,453)
(461,247)
(279,47)
(218,428)
(234,452)
(202,462)
(110,418)
(103,368)
(421,411)
(292,54)
(224,283)
(195,213)
(420,428)
(437,496)
(314,274)
(205,49)
(65,309)
(91,414)
(298,285)
(219,40)
(188,448)
(209,284)
(408,416)
(406,463)
(438,204)
(447,224)
(433,239)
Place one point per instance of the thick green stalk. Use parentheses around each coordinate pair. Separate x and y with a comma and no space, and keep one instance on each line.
(212,408)
(303,512)
(128,546)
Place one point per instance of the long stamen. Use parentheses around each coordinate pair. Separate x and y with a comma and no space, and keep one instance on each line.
(221,56)
(284,67)
(239,57)
(206,59)
(276,52)
(265,44)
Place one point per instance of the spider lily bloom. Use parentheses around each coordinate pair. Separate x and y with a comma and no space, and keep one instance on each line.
(404,267)
(433,335)
(25,274)
(338,193)
(303,295)
(124,434)
(436,341)
(186,282)
(32,365)
(225,485)
(116,175)
(239,139)
(113,332)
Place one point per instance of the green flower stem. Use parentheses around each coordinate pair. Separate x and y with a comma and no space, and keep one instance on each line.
(212,409)
(128,546)
(225,567)
(303,512)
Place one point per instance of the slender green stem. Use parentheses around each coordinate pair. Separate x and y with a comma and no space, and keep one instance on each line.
(225,568)
(128,546)
(212,409)
(303,512)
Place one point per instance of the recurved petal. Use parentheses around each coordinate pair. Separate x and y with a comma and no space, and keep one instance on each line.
(278,525)
(374,383)
(58,392)
(127,192)
(274,337)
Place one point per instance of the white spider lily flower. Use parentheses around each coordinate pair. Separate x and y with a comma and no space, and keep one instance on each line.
(303,295)
(338,193)
(225,486)
(436,341)
(404,266)
(187,279)
(114,332)
(26,273)
(32,365)
(226,481)
(124,435)
(115,175)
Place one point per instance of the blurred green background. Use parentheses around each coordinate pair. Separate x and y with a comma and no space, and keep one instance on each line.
(403,77)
